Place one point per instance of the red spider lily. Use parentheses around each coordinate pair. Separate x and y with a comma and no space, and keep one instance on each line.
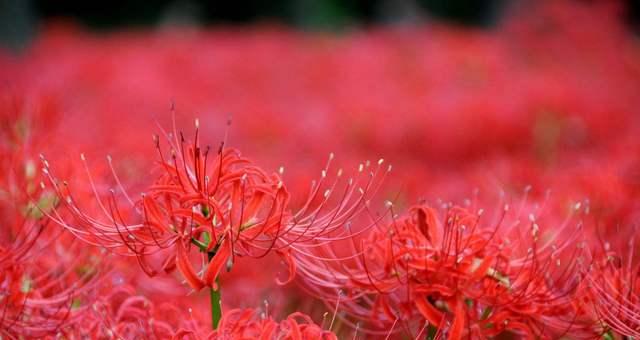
(555,95)
(120,313)
(252,324)
(40,294)
(226,206)
(459,273)
(611,292)
(46,279)
(223,205)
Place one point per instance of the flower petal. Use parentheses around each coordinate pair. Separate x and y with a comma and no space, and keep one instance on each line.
(214,267)
(185,267)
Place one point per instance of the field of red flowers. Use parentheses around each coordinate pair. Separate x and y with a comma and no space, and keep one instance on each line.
(430,182)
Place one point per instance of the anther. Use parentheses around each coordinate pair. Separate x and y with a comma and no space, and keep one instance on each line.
(534,229)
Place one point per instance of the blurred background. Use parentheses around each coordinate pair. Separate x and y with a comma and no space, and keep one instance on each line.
(20,20)
(410,80)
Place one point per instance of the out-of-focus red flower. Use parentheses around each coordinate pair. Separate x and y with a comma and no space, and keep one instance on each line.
(611,290)
(463,273)
(254,324)
(47,281)
(120,313)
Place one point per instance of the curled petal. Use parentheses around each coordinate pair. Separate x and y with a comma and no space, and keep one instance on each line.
(426,220)
(185,267)
(427,310)
(459,322)
(286,254)
(214,267)
(269,331)
(295,329)
(169,264)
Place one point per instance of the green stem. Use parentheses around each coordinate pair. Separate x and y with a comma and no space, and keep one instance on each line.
(432,331)
(216,309)
(214,295)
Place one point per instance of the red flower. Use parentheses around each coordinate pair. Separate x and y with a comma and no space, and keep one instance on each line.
(612,291)
(220,203)
(120,313)
(252,324)
(461,273)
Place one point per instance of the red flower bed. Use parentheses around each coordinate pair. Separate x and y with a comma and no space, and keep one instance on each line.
(408,182)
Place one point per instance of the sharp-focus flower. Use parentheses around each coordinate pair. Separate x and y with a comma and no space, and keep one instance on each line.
(218,202)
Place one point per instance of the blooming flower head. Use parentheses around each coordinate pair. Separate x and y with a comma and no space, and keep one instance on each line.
(46,280)
(218,202)
(121,313)
(39,298)
(611,291)
(254,324)
(457,271)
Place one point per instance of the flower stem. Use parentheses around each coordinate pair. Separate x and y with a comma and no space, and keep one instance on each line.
(214,296)
(216,308)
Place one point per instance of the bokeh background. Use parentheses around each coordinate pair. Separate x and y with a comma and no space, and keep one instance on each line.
(21,20)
